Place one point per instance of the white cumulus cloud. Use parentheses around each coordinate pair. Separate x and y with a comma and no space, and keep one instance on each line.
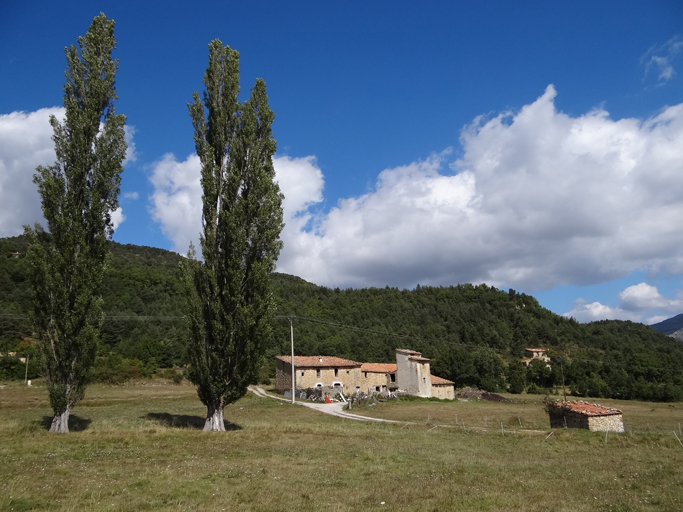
(585,312)
(538,198)
(638,303)
(644,297)
(25,143)
(176,202)
(117,217)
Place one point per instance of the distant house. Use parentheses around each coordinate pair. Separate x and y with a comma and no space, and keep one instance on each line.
(15,254)
(316,372)
(579,414)
(410,374)
(536,354)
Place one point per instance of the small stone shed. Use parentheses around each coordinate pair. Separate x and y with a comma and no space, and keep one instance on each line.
(579,414)
(443,388)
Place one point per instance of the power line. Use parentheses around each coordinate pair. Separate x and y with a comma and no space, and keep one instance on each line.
(107,317)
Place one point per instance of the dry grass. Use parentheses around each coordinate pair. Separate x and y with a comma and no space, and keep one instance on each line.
(139,449)
(523,411)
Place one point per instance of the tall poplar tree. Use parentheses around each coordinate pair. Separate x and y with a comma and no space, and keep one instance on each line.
(230,302)
(78,193)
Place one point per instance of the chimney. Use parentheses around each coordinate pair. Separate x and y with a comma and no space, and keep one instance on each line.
(320,359)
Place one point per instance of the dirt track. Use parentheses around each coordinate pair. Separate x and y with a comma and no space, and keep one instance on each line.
(333,409)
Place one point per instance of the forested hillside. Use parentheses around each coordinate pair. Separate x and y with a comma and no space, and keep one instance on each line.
(475,335)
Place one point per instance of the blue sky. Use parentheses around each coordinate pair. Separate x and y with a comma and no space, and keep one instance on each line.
(534,147)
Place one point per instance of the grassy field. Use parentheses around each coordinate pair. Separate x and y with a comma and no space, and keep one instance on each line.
(139,447)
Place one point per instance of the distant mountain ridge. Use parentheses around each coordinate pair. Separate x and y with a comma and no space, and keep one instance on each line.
(670,326)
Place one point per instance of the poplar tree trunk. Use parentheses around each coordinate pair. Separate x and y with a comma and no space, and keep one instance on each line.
(214,419)
(60,422)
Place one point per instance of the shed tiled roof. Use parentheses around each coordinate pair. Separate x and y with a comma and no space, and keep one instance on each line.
(536,349)
(438,381)
(378,367)
(587,409)
(319,362)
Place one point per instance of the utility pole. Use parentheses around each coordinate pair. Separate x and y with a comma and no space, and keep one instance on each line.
(291,334)
(564,390)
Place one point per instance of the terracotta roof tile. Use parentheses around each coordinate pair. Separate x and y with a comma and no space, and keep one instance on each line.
(587,409)
(438,381)
(318,361)
(378,367)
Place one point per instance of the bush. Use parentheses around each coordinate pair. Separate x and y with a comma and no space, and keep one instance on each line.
(171,374)
(533,389)
(11,368)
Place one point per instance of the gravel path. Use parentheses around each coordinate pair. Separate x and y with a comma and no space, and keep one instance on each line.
(333,409)
(336,409)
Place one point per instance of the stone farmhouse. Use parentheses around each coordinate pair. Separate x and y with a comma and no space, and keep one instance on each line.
(411,374)
(583,415)
(534,354)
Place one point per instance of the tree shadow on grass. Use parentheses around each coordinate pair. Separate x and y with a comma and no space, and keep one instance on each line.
(185,421)
(76,423)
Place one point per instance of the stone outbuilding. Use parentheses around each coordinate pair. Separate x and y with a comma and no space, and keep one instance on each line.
(579,414)
(443,388)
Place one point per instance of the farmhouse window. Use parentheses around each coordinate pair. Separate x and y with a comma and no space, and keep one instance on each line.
(336,372)
(366,374)
(393,377)
(317,373)
(302,374)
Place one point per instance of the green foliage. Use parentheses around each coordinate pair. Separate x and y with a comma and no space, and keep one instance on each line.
(12,368)
(633,360)
(515,374)
(229,295)
(78,195)
(467,329)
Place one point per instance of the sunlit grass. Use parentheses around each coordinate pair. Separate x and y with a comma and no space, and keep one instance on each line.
(140,449)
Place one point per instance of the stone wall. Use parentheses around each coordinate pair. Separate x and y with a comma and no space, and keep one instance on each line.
(611,423)
(568,420)
(283,376)
(370,381)
(347,378)
(443,391)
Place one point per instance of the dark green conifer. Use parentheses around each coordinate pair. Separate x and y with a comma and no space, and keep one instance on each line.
(78,194)
(229,295)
